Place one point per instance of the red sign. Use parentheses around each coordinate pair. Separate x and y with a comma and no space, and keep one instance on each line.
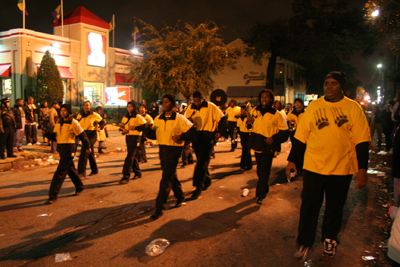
(115,96)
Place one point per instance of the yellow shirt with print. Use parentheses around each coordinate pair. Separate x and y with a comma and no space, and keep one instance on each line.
(67,133)
(165,129)
(205,119)
(232,112)
(331,132)
(242,125)
(269,124)
(89,123)
(134,121)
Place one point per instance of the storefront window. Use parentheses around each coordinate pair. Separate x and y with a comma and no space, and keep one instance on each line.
(6,86)
(93,92)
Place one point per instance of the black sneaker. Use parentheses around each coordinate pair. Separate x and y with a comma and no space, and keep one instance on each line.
(329,247)
(302,253)
(124,181)
(156,214)
(179,202)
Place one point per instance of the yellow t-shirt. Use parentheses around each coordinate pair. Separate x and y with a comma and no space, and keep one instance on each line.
(242,125)
(165,129)
(293,118)
(269,124)
(148,119)
(205,119)
(331,132)
(134,121)
(232,112)
(66,133)
(89,123)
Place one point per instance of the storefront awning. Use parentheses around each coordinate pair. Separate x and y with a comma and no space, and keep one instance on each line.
(5,70)
(65,73)
(244,91)
(123,78)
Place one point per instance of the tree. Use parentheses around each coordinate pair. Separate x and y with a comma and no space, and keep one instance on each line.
(49,86)
(182,60)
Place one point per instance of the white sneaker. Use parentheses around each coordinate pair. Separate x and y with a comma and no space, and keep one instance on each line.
(29,144)
(37,143)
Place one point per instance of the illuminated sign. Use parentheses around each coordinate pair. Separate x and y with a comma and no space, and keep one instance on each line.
(254,76)
(96,49)
(115,96)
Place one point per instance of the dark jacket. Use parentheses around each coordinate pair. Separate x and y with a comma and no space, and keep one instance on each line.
(7,119)
(29,114)
(17,116)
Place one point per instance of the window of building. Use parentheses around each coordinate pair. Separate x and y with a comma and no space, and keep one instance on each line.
(93,92)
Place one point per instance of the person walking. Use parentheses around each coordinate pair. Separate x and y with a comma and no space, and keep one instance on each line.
(269,130)
(376,124)
(294,116)
(89,121)
(19,116)
(44,116)
(388,125)
(7,128)
(66,130)
(30,125)
(333,137)
(132,126)
(233,113)
(101,133)
(170,129)
(245,161)
(205,116)
(154,110)
(53,118)
(141,151)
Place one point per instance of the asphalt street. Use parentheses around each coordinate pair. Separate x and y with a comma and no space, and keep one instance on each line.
(109,225)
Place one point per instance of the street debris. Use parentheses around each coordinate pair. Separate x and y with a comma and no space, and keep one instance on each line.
(220,197)
(157,246)
(63,257)
(308,263)
(368,258)
(245,192)
(45,215)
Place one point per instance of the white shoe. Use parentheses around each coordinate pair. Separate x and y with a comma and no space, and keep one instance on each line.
(29,144)
(37,143)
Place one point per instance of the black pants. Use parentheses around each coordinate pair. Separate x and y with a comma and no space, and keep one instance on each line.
(83,158)
(169,156)
(388,139)
(141,151)
(232,134)
(187,156)
(31,134)
(264,162)
(315,186)
(245,161)
(131,161)
(202,148)
(66,166)
(7,140)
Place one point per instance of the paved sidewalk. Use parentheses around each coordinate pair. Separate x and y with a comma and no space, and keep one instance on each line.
(40,154)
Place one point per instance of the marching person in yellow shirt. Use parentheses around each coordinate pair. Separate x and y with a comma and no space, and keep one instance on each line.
(171,130)
(141,151)
(333,137)
(233,113)
(132,125)
(245,161)
(65,132)
(90,121)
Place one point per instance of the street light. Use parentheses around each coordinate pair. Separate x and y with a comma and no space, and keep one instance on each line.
(135,51)
(379,66)
(375,13)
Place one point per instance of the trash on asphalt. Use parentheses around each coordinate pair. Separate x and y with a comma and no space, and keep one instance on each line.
(157,246)
(2,234)
(220,197)
(45,215)
(308,263)
(63,257)
(382,152)
(368,258)
(245,192)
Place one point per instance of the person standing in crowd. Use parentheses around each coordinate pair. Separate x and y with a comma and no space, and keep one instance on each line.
(7,128)
(154,110)
(43,116)
(294,117)
(132,125)
(205,116)
(101,133)
(269,130)
(288,108)
(30,125)
(233,113)
(141,150)
(396,161)
(387,125)
(245,161)
(333,137)
(53,118)
(19,116)
(171,130)
(376,123)
(144,103)
(187,155)
(65,131)
(278,107)
(89,121)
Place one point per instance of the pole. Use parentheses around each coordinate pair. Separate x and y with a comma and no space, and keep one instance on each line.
(23,14)
(134,35)
(113,30)
(62,19)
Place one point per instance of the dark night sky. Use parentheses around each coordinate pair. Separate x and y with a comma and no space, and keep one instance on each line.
(236,16)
